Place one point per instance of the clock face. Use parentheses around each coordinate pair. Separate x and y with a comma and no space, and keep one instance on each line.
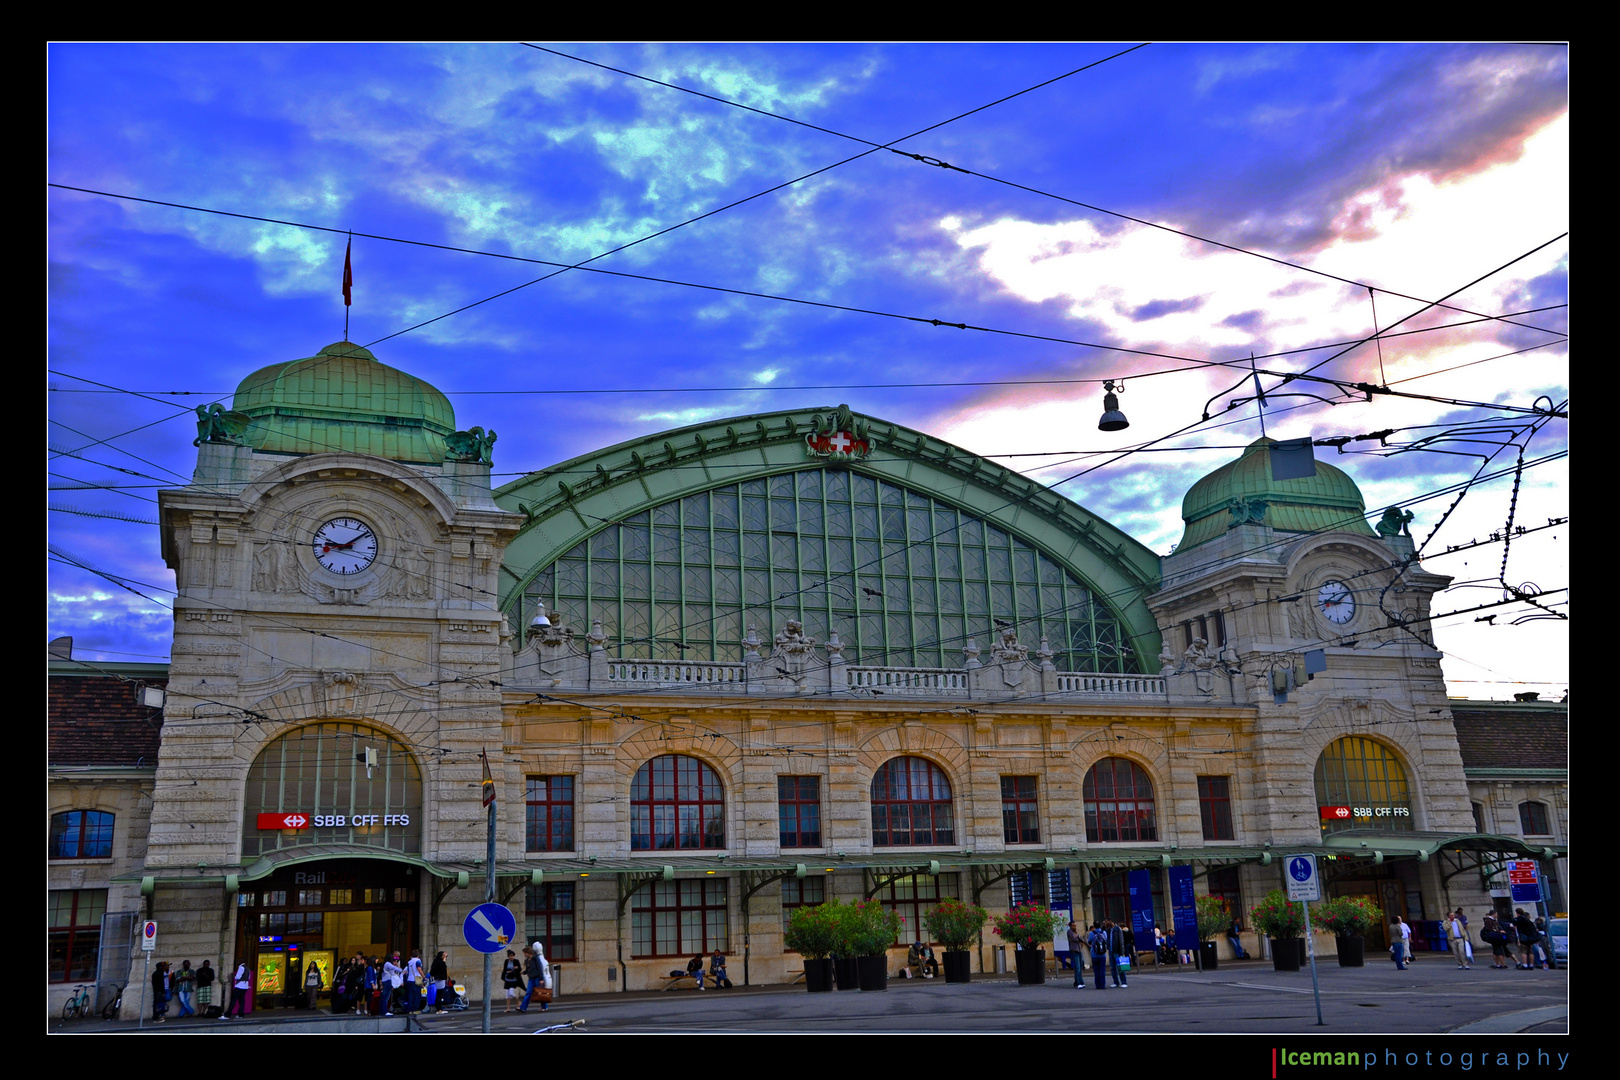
(1335,603)
(345,545)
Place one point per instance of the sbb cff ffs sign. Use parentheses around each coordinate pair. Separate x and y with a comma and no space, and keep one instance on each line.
(300,820)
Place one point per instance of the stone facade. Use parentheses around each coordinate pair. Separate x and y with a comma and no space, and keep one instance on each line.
(342,613)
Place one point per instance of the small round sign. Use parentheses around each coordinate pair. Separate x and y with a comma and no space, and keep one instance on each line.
(490,928)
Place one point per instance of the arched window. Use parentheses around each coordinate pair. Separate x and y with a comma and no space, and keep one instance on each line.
(676,802)
(311,786)
(683,580)
(1362,774)
(911,804)
(81,834)
(1119,803)
(1533,819)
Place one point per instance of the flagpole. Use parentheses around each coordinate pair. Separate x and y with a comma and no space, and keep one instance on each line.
(348,283)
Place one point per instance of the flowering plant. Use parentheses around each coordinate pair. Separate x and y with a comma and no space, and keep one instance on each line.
(1213,916)
(814,931)
(869,928)
(1278,917)
(1348,916)
(1029,925)
(954,924)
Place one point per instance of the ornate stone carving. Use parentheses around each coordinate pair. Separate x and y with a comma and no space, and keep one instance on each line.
(1245,511)
(970,652)
(794,649)
(342,688)
(215,423)
(1395,522)
(475,445)
(1202,661)
(1167,659)
(1011,656)
(273,566)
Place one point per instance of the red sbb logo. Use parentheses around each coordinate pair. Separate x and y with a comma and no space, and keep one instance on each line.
(294,820)
(1336,813)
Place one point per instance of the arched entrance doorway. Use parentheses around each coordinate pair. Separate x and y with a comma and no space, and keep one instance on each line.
(333,810)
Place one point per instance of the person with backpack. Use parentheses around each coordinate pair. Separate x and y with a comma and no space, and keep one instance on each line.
(1527,939)
(1098,944)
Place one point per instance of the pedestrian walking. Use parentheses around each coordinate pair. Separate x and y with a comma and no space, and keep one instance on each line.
(240,982)
(1458,937)
(511,978)
(1075,944)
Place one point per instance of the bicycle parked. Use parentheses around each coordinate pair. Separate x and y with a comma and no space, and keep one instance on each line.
(78,1003)
(110,1010)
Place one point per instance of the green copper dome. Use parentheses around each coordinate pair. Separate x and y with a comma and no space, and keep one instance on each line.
(1243,491)
(342,399)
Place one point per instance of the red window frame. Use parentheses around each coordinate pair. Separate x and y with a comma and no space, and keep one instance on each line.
(1225,883)
(1215,807)
(1020,813)
(549,918)
(911,804)
(1118,797)
(682,918)
(677,803)
(81,834)
(808,891)
(1532,815)
(548,814)
(74,934)
(914,896)
(798,801)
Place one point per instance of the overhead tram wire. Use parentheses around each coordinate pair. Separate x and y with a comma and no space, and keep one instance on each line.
(563,267)
(1024,187)
(852,309)
(801,387)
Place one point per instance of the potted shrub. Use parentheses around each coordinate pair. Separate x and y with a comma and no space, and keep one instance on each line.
(1214,918)
(1349,918)
(1283,921)
(872,930)
(846,968)
(813,933)
(1029,926)
(955,925)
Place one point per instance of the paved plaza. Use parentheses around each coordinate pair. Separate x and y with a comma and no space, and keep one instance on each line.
(1431,997)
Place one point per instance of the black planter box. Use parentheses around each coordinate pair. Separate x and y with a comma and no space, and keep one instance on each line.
(958,966)
(818,976)
(1352,951)
(847,972)
(1207,955)
(1031,965)
(874,972)
(1285,953)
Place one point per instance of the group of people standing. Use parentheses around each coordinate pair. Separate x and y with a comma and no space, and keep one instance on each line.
(1111,947)
(188,987)
(1502,934)
(527,980)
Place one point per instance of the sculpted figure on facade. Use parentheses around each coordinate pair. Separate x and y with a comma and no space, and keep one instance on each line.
(794,649)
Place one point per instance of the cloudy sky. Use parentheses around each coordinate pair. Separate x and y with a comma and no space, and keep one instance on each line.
(1077,206)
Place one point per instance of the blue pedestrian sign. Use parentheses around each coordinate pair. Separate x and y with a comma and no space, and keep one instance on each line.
(490,928)
(1303,884)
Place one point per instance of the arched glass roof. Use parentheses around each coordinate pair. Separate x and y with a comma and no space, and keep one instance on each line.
(679,543)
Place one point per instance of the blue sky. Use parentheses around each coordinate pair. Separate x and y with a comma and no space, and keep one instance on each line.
(1415,169)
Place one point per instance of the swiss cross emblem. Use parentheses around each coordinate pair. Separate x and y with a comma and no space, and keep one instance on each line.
(836,444)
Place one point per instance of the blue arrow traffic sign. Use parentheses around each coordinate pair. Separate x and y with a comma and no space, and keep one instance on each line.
(490,928)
